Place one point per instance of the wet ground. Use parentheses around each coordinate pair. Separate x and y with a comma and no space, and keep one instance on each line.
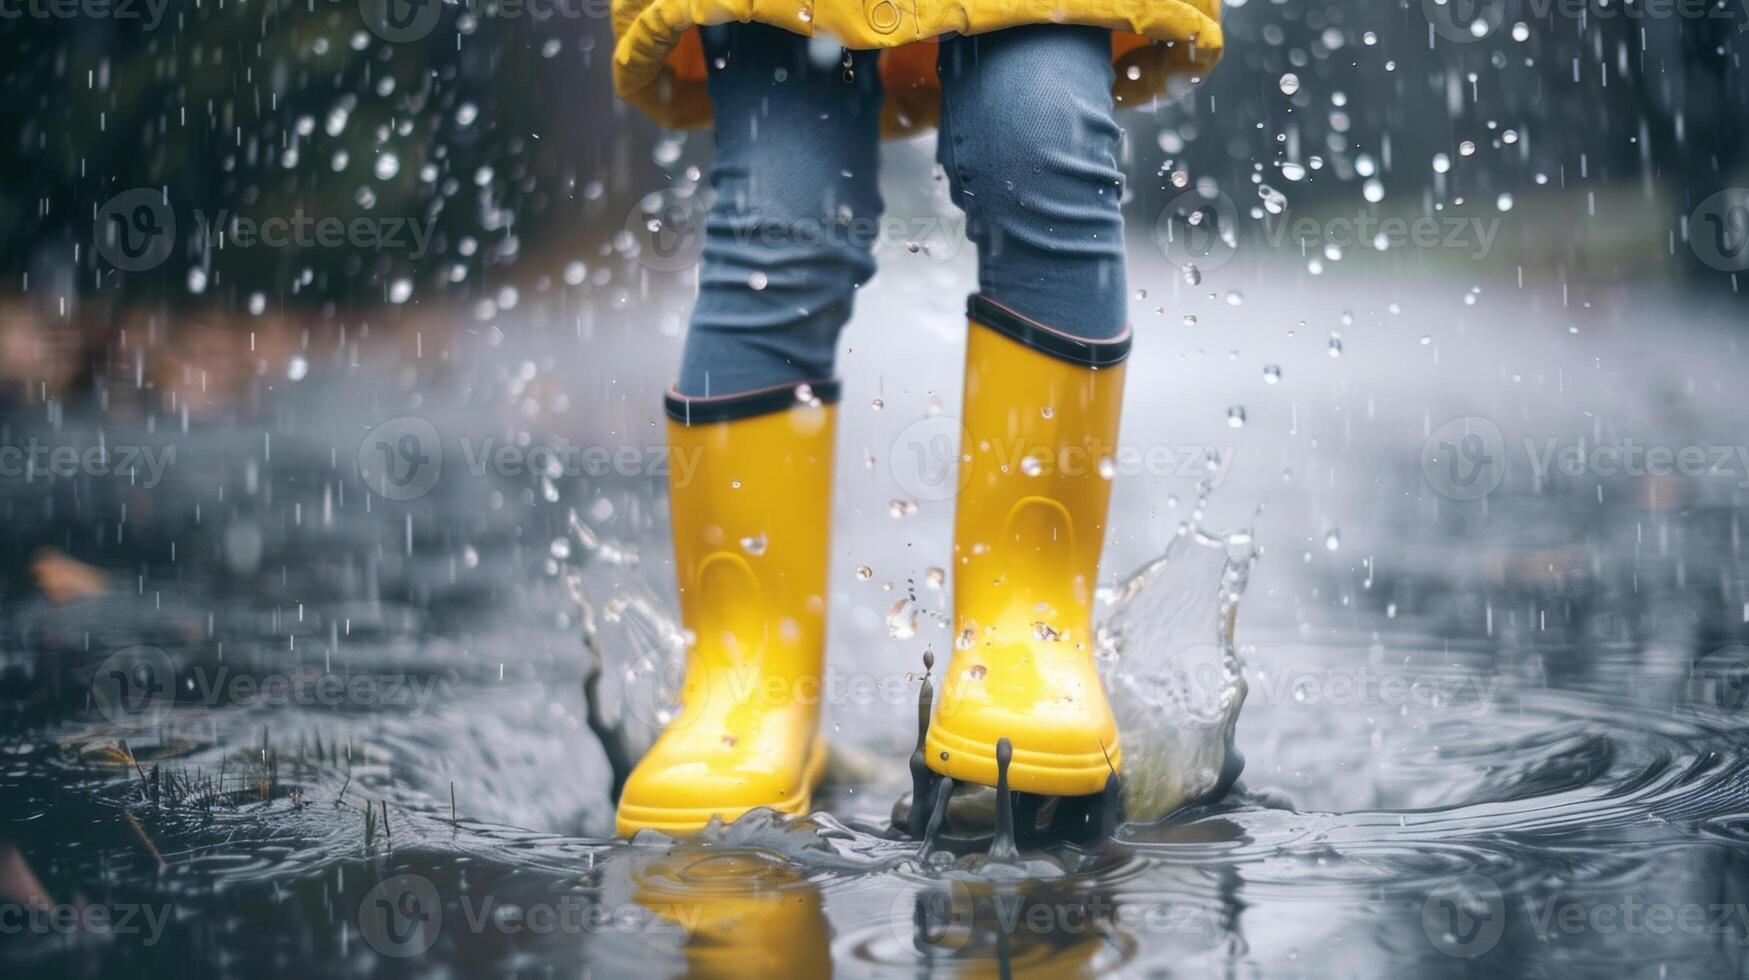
(1497,682)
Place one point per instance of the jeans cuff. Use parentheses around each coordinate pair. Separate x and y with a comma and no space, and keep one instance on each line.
(689,410)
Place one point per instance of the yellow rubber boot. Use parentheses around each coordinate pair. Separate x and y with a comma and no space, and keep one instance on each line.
(1041,417)
(750,489)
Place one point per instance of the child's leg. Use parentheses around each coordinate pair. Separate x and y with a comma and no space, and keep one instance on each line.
(788,239)
(1030,149)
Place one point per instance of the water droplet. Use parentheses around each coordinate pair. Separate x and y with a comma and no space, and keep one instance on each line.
(1503,202)
(1031,466)
(1236,417)
(902,619)
(758,281)
(1271,373)
(1441,163)
(1335,346)
(297,368)
(1290,83)
(1192,275)
(400,290)
(560,548)
(977,672)
(1333,540)
(387,166)
(864,573)
(754,544)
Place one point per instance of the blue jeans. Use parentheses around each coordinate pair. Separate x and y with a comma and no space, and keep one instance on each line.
(1030,149)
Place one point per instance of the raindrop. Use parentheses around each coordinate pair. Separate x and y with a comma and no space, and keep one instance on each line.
(1290,83)
(754,544)
(757,281)
(387,166)
(1271,373)
(1333,540)
(864,573)
(560,548)
(1503,202)
(1236,417)
(902,619)
(401,290)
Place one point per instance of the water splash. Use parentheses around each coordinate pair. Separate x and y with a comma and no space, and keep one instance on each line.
(1173,672)
(637,646)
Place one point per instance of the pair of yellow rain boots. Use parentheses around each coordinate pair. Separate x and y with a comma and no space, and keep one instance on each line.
(751,555)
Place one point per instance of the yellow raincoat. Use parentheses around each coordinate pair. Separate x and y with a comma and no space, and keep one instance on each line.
(1158,47)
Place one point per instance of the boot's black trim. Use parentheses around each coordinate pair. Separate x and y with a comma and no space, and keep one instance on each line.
(1048,340)
(762,401)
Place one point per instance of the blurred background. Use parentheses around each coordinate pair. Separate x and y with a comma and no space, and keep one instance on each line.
(333,351)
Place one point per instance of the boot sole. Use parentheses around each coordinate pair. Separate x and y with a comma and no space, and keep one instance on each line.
(1029,771)
(686,820)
